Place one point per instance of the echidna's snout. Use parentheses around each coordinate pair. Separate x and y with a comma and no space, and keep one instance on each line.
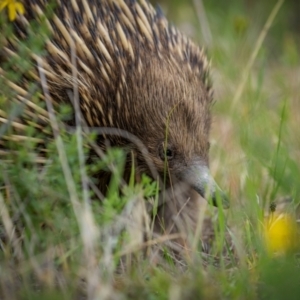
(199,178)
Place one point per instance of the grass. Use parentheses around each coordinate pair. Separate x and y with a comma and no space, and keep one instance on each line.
(56,244)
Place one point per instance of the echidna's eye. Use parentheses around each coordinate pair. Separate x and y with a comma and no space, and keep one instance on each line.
(166,154)
(169,153)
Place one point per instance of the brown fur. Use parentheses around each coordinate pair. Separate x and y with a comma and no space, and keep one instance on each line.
(136,73)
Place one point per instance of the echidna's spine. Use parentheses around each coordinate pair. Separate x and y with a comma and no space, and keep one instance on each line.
(110,38)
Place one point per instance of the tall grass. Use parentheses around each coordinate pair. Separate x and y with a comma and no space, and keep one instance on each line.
(56,243)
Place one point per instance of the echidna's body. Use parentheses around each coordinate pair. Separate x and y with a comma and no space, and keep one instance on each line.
(134,72)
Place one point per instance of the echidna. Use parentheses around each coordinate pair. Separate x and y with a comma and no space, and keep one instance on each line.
(134,72)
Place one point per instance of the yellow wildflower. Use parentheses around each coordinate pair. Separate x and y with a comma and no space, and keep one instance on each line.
(281,233)
(13,8)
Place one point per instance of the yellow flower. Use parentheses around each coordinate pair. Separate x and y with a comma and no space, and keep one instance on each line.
(13,7)
(281,233)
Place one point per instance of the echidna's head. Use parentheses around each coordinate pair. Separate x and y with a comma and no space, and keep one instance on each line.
(169,110)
